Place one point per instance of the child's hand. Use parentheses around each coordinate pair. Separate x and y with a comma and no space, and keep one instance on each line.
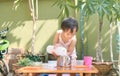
(53,53)
(56,45)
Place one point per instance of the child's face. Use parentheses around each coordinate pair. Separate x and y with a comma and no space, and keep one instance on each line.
(68,34)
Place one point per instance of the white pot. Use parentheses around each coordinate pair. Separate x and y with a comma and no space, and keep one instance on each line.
(37,64)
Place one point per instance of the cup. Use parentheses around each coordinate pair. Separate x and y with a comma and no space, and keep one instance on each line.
(88,61)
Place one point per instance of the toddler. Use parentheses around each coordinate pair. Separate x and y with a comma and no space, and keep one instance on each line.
(66,37)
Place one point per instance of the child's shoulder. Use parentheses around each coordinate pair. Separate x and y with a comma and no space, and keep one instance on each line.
(73,38)
(59,31)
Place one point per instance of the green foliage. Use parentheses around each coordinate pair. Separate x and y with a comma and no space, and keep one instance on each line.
(24,62)
(64,6)
(103,8)
(28,59)
(116,9)
(35,58)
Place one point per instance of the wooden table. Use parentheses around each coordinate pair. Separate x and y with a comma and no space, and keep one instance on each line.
(79,69)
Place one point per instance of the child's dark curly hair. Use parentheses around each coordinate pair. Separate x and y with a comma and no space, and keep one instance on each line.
(69,23)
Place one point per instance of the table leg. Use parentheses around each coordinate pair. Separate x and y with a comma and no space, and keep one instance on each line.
(31,74)
(81,74)
(59,74)
(72,74)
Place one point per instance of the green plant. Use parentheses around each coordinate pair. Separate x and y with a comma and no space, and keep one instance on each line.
(28,59)
(24,62)
(34,58)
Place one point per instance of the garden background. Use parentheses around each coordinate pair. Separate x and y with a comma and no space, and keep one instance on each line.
(20,24)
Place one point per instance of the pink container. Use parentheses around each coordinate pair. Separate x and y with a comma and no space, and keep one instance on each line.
(88,61)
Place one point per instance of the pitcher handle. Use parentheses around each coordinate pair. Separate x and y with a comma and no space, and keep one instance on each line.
(68,60)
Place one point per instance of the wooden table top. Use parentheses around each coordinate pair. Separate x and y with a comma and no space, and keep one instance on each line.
(54,69)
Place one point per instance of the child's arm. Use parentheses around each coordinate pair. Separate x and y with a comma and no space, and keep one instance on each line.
(71,47)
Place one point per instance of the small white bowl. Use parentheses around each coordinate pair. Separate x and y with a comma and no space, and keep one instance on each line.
(37,64)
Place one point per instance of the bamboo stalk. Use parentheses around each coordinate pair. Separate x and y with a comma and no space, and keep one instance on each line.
(119,42)
(32,9)
(111,52)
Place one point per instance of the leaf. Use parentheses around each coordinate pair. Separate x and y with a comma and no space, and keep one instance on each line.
(71,4)
(64,5)
(33,57)
(107,11)
(60,14)
(66,11)
(56,2)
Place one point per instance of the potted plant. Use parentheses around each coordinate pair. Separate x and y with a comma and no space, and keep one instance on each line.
(35,58)
(28,60)
(102,8)
(24,62)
